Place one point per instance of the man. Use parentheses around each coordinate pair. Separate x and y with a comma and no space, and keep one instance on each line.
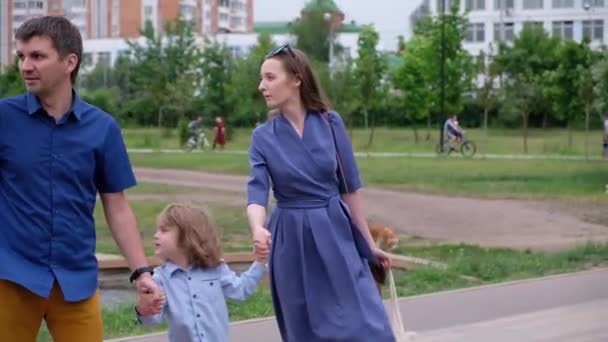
(451,131)
(56,153)
(605,139)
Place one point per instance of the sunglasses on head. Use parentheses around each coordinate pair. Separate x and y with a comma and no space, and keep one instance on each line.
(281,49)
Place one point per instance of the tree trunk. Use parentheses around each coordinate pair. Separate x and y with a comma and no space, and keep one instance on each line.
(428,127)
(416,138)
(587,110)
(545,120)
(365,117)
(525,131)
(485,121)
(569,123)
(371,133)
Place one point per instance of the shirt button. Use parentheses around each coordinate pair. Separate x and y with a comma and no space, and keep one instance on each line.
(194,296)
(211,284)
(189,278)
(198,315)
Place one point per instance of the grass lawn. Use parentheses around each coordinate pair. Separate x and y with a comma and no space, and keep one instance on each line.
(231,222)
(497,141)
(477,177)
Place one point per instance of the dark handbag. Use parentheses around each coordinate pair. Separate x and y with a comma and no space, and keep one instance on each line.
(377,269)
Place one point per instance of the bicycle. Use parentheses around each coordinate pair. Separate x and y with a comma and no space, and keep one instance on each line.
(198,140)
(466,147)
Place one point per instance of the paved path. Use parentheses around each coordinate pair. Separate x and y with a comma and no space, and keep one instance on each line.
(400,154)
(571,307)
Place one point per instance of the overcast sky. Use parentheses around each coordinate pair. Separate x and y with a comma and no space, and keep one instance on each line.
(390,17)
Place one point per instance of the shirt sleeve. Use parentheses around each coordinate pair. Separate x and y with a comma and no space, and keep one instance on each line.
(114,172)
(350,171)
(241,287)
(159,317)
(258,184)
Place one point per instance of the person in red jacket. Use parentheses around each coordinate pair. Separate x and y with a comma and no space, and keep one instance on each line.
(220,133)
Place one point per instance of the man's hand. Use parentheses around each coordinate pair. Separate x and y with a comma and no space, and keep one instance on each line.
(150,297)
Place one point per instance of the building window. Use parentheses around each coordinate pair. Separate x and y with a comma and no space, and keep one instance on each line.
(563,29)
(87,59)
(36,4)
(19,5)
(504,4)
(103,58)
(475,5)
(508,31)
(448,4)
(594,3)
(563,3)
(224,3)
(534,24)
(533,4)
(148,11)
(594,29)
(475,33)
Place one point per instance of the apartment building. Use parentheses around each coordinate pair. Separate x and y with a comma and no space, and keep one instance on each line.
(98,19)
(491,21)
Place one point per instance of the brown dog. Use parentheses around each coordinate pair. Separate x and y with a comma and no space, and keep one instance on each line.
(384,236)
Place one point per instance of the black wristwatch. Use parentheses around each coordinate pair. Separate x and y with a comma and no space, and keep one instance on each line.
(139,271)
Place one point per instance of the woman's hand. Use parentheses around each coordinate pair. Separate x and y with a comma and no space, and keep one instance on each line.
(383,257)
(261,241)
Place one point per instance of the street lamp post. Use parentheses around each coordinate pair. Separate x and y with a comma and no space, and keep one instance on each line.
(328,17)
(442,74)
(587,7)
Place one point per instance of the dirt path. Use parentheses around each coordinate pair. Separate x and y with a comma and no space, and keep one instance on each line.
(505,223)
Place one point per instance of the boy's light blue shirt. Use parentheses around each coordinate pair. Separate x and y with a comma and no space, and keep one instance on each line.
(195,306)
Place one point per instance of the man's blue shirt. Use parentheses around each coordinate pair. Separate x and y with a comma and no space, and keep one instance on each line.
(50,174)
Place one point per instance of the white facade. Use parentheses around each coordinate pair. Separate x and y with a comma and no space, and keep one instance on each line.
(107,50)
(566,18)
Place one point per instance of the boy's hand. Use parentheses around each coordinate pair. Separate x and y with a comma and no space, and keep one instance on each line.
(150,303)
(261,256)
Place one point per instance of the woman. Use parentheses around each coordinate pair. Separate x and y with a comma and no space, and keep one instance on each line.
(220,133)
(322,289)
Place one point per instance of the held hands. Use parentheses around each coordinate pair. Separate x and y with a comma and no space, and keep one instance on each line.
(150,297)
(261,243)
(382,256)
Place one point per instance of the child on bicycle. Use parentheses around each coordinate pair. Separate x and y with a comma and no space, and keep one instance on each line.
(194,279)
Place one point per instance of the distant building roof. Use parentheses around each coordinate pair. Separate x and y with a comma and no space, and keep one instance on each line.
(281,27)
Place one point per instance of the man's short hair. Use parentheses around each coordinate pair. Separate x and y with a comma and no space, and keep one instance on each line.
(64,36)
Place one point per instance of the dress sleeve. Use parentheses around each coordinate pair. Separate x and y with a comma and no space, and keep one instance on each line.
(258,184)
(346,155)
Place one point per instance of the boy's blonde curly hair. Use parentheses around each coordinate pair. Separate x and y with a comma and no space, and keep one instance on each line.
(197,235)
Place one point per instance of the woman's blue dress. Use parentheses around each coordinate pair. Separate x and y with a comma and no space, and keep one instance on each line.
(321,288)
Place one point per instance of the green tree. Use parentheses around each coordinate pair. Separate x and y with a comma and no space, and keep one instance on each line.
(486,91)
(342,93)
(216,68)
(413,79)
(369,70)
(11,82)
(312,30)
(566,82)
(248,104)
(523,65)
(164,72)
(459,66)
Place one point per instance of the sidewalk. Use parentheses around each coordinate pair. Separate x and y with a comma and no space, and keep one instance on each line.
(570,307)
(397,154)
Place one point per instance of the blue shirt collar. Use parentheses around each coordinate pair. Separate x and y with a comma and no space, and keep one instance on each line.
(78,106)
(171,268)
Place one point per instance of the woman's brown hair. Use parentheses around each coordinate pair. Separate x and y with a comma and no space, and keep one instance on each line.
(197,234)
(297,64)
